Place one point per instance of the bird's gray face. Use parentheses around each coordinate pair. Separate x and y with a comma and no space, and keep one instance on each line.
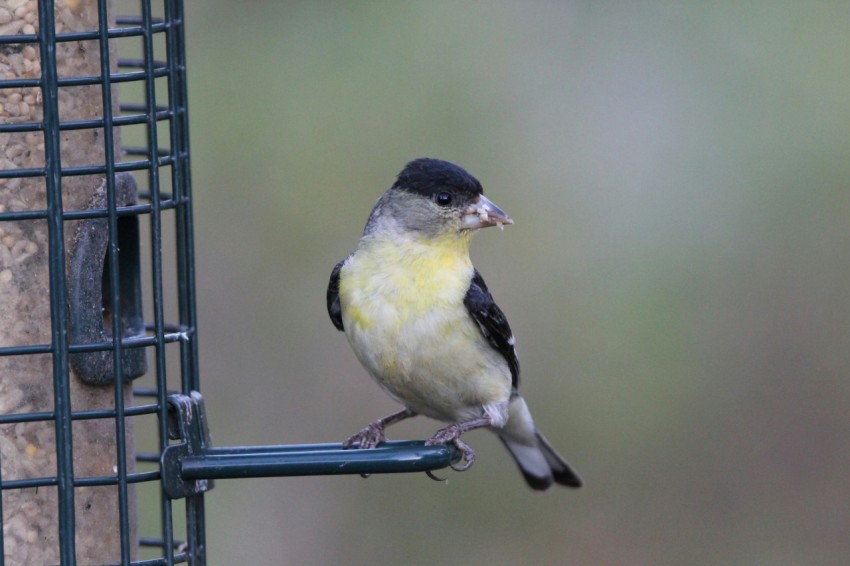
(444,212)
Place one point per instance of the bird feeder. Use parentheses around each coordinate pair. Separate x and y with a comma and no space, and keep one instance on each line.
(100,410)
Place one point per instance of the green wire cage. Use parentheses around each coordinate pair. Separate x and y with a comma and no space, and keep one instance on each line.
(97,284)
(105,453)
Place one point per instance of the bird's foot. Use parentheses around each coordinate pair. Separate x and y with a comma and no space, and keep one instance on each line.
(370,437)
(451,435)
(373,433)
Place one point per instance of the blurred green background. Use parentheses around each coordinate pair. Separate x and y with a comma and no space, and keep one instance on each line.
(678,276)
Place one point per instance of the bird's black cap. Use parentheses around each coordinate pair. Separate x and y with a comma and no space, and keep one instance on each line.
(428,176)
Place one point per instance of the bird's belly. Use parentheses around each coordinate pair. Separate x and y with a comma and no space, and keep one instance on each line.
(430,357)
(436,369)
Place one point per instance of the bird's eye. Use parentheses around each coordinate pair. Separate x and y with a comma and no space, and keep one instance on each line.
(444,198)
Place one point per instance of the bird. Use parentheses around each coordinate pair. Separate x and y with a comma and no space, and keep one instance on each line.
(422,322)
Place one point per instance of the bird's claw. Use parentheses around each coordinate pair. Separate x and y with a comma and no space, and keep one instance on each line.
(468,456)
(370,437)
(435,477)
(451,435)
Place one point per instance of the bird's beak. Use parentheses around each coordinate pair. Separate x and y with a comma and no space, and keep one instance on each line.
(483,213)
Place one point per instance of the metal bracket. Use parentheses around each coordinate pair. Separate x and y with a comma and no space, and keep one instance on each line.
(188,468)
(187,421)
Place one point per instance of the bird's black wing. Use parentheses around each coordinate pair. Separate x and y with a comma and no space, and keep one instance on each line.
(492,323)
(334,310)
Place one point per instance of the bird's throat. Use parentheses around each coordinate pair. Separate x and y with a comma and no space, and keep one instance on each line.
(407,275)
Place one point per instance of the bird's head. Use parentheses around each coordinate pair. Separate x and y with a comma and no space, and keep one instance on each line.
(437,198)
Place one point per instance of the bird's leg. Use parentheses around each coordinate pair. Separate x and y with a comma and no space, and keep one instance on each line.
(373,433)
(451,435)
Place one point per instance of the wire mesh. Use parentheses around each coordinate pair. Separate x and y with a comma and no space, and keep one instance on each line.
(87,97)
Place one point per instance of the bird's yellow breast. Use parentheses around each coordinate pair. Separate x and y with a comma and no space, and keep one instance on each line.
(408,278)
(403,313)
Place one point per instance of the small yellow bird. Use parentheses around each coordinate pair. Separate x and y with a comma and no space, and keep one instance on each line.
(420,319)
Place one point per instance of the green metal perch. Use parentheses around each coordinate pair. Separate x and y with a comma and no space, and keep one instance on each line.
(189,467)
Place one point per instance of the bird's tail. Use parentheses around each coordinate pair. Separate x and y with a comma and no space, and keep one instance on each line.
(537,460)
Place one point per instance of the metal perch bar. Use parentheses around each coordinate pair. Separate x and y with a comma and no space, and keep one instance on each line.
(189,467)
